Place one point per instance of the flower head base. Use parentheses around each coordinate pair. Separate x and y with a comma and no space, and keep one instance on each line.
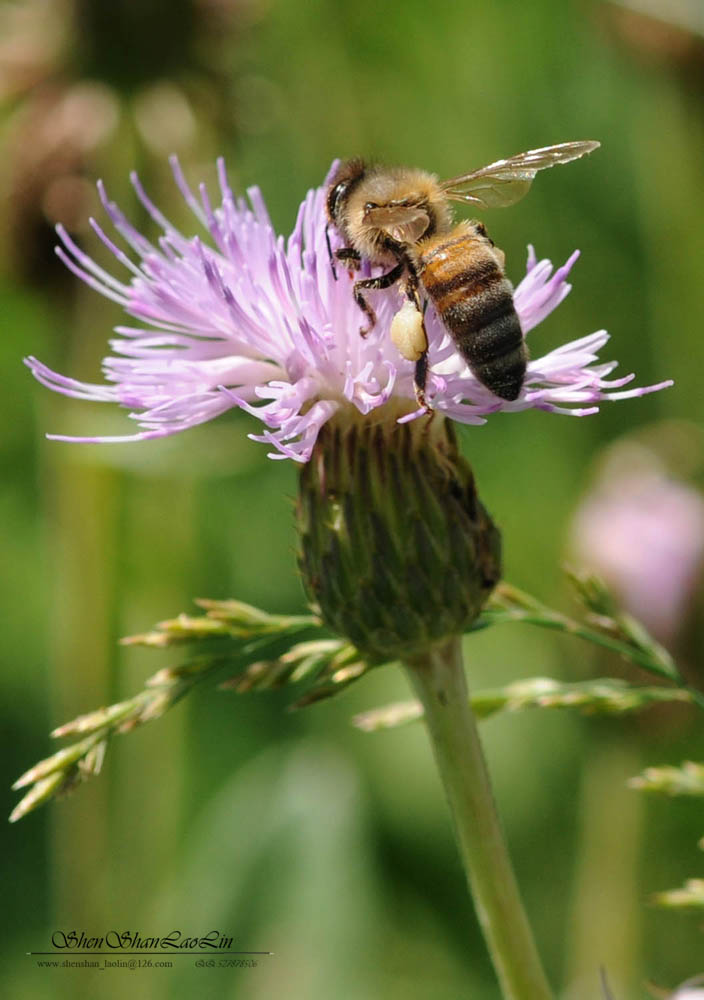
(396,550)
(264,325)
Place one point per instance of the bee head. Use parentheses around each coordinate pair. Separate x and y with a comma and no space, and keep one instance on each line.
(347,177)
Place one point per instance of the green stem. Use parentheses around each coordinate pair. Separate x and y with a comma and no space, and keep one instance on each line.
(439,682)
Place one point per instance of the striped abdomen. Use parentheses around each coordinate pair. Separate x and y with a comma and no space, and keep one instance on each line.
(461,273)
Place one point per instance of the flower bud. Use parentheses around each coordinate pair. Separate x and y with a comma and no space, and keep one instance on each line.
(395,547)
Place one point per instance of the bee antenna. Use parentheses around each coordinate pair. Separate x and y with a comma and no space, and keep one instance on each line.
(330,253)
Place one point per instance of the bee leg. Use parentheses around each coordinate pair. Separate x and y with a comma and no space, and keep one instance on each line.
(420,376)
(350,257)
(372,284)
(366,309)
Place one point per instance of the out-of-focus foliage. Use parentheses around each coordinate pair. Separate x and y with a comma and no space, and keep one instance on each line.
(685,780)
(296,833)
(262,652)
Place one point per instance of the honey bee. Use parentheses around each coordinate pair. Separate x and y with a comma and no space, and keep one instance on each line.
(400,218)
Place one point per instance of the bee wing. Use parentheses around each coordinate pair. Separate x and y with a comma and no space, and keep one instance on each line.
(403,223)
(506,181)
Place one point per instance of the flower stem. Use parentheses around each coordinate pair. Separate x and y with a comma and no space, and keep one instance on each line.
(439,682)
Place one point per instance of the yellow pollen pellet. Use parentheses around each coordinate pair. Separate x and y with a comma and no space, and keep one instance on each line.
(408,332)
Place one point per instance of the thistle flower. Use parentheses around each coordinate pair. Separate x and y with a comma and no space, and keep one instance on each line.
(396,549)
(262,324)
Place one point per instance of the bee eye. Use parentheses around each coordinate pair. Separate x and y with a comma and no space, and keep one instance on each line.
(370,205)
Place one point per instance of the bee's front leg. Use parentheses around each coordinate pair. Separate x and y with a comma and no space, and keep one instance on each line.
(350,257)
(345,255)
(372,284)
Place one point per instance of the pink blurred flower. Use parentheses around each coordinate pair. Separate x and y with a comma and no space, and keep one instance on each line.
(643,532)
(693,989)
(260,323)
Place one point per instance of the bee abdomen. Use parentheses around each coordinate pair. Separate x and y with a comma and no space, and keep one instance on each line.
(475,302)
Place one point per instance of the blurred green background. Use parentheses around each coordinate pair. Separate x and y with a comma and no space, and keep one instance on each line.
(294,832)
